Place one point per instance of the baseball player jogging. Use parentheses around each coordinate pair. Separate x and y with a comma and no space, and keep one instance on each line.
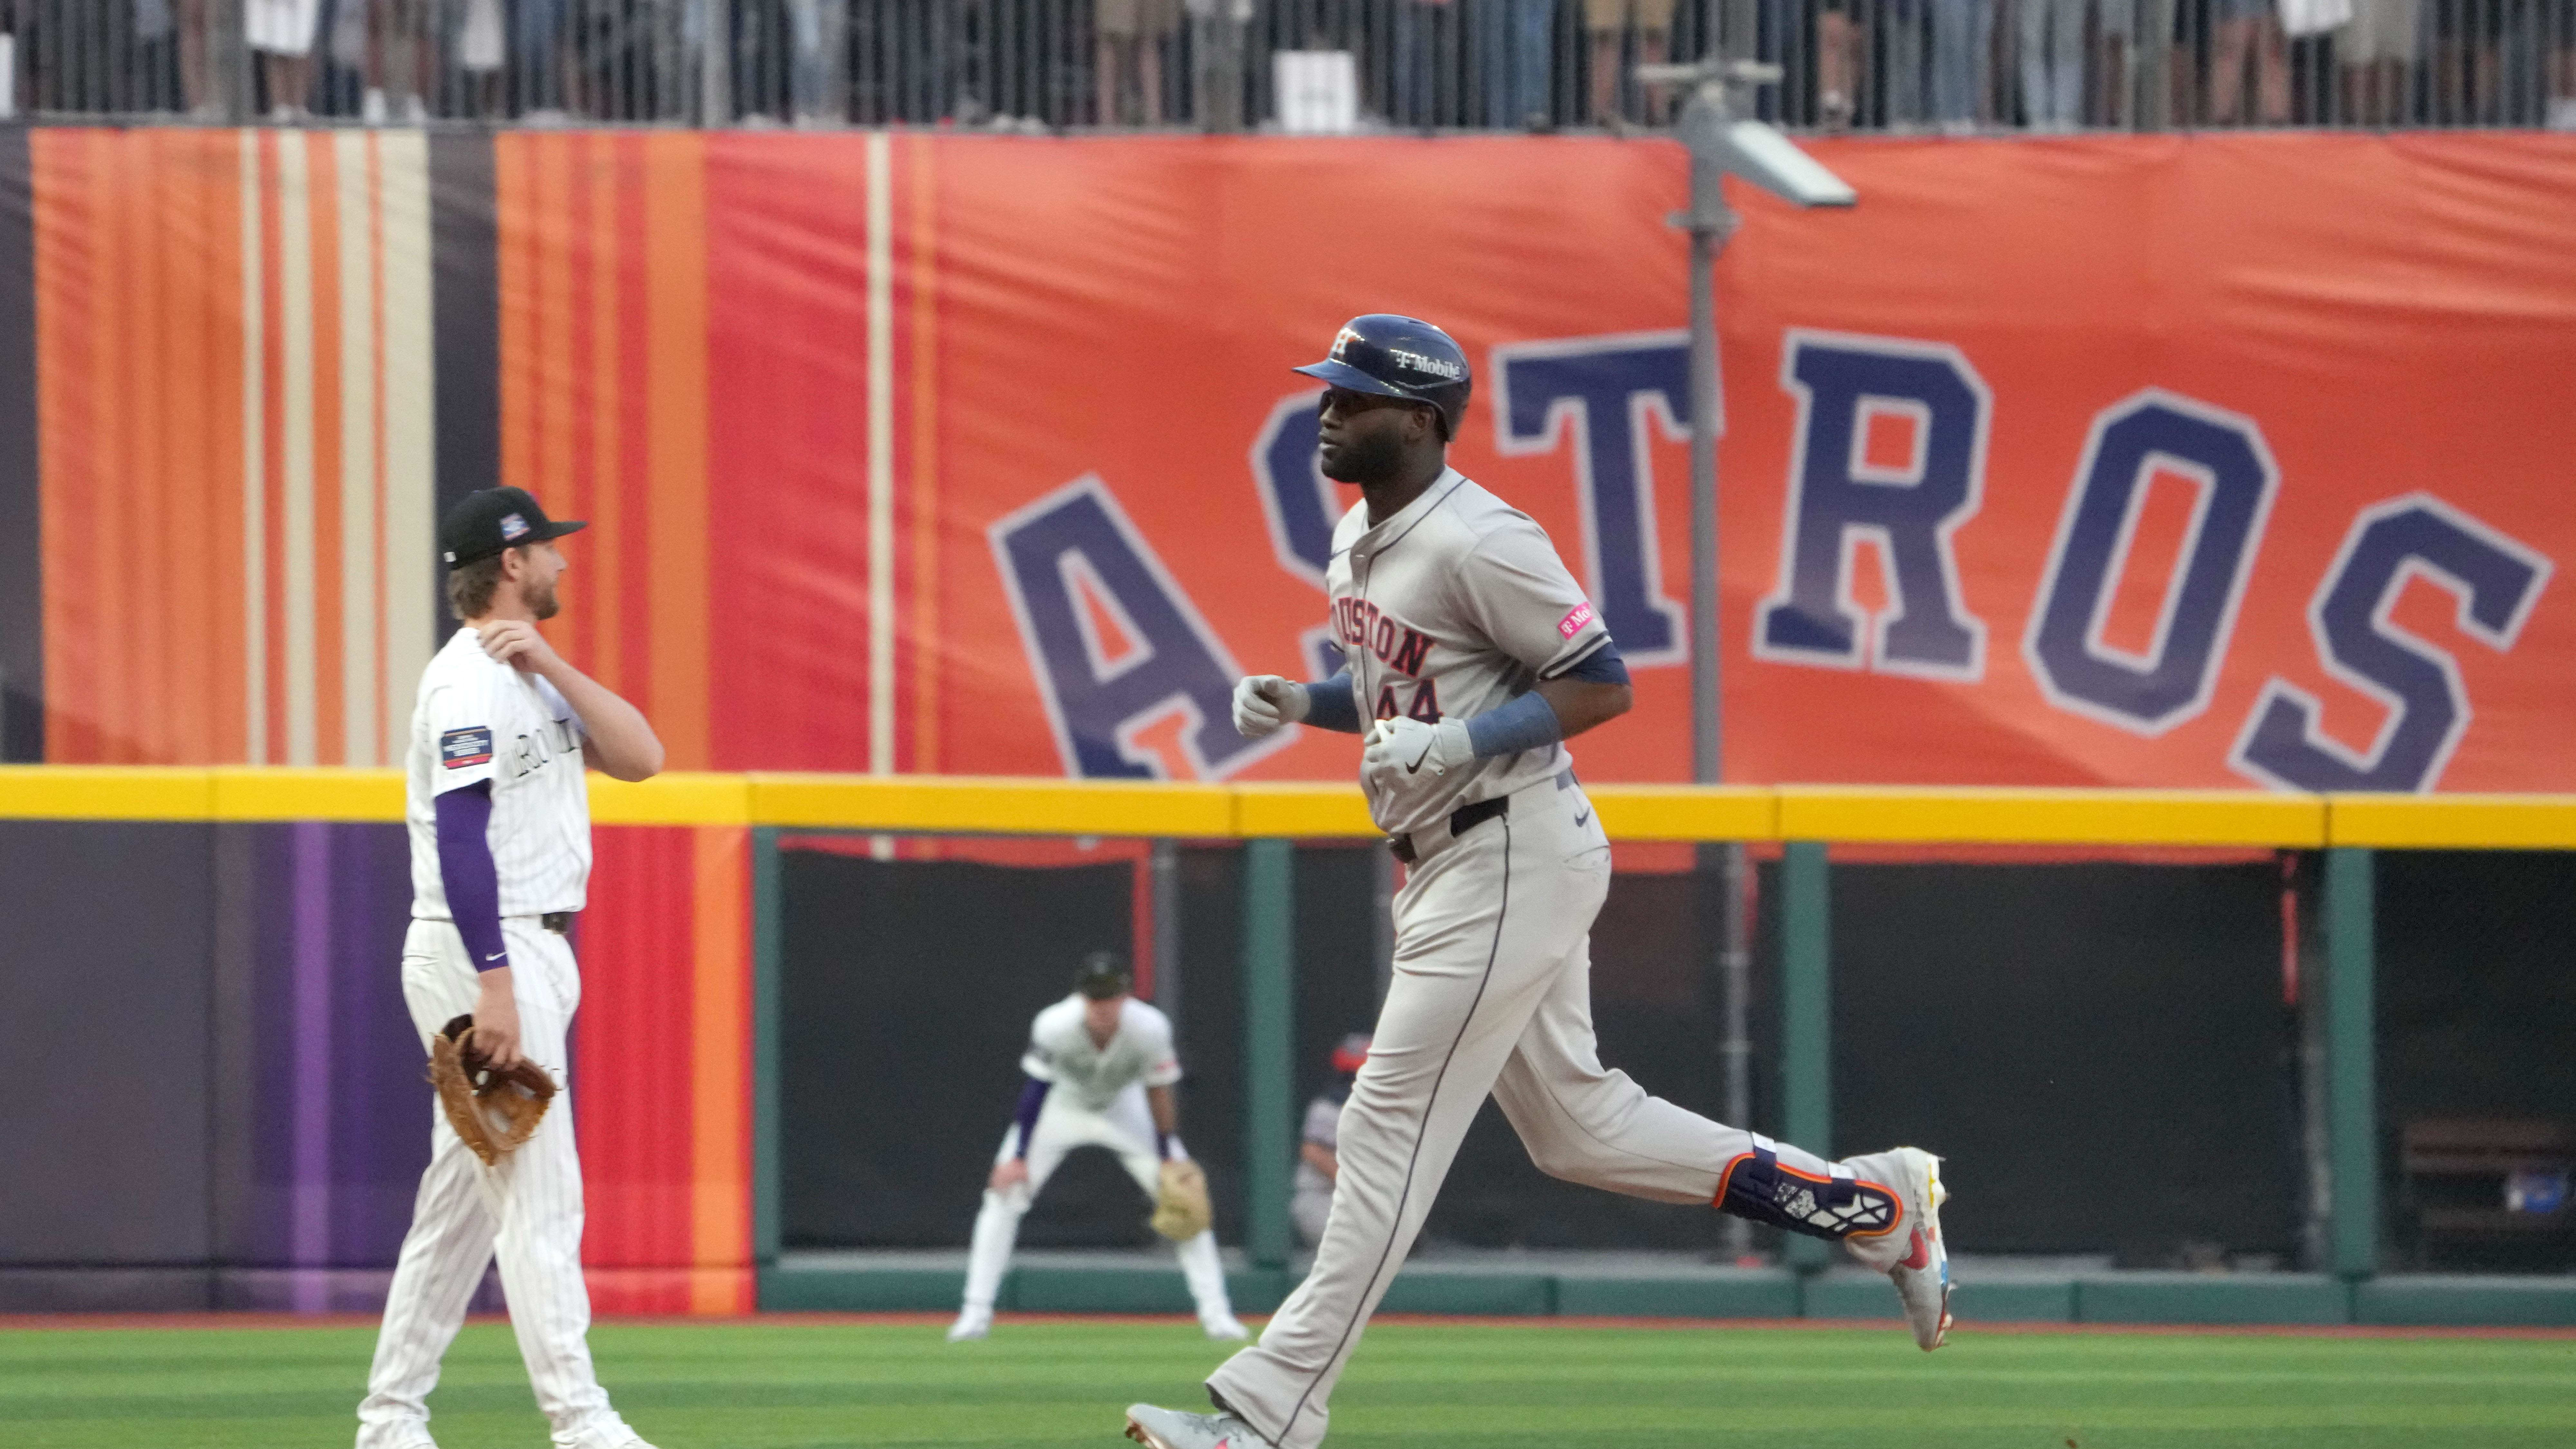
(1474,653)
(1100,1073)
(500,858)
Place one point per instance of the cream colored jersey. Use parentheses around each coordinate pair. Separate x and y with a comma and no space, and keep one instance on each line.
(479,719)
(1062,1052)
(1452,607)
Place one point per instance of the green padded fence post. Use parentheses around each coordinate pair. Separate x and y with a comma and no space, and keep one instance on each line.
(2352,1099)
(1806,1019)
(767,924)
(1269,1035)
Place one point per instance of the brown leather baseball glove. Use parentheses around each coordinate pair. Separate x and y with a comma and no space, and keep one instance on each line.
(493,1111)
(1181,1210)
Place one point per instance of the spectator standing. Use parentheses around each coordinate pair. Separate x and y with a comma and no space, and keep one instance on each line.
(1963,36)
(2248,29)
(1518,44)
(1129,47)
(182,25)
(1652,22)
(537,49)
(481,51)
(402,61)
(2115,29)
(2052,63)
(281,34)
(820,80)
(1842,39)
(2560,36)
(2375,50)
(1413,97)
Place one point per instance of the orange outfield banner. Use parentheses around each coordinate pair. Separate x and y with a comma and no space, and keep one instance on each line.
(2210,461)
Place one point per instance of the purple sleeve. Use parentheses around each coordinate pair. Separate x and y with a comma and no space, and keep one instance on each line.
(1033,1095)
(466,871)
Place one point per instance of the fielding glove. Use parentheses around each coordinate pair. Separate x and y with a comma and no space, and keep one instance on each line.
(1181,1210)
(493,1112)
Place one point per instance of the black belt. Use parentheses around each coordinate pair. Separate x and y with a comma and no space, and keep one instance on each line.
(1461,820)
(559,922)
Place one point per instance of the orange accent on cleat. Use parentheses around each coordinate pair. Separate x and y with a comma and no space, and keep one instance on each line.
(1919,1252)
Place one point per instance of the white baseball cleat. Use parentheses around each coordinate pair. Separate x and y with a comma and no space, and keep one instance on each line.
(1171,1429)
(620,1437)
(1226,1329)
(1922,1276)
(972,1324)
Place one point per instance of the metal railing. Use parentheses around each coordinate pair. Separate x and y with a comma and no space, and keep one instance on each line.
(1958,65)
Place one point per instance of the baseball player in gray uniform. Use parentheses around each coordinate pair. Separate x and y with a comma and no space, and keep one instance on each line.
(1471,656)
(499,814)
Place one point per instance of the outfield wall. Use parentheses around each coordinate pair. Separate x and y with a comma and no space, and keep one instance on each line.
(196,948)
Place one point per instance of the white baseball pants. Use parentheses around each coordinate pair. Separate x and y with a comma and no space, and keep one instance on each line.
(1491,993)
(528,1209)
(1126,1128)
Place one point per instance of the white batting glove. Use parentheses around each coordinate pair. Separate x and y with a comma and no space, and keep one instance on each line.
(1401,751)
(1265,704)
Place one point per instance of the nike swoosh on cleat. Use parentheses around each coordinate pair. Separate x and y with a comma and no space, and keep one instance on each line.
(1579,819)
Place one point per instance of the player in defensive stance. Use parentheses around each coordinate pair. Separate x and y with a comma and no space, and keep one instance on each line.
(499,814)
(1100,1071)
(1473,656)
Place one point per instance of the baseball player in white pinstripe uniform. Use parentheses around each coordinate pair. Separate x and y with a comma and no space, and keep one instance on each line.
(499,815)
(1100,1070)
(1474,655)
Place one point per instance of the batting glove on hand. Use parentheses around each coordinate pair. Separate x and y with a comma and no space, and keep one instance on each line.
(1265,704)
(1406,750)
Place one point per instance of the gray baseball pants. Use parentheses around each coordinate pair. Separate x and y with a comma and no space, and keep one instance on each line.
(1491,993)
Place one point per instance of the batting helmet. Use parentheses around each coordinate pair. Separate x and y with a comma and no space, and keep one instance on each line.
(1102,975)
(1402,357)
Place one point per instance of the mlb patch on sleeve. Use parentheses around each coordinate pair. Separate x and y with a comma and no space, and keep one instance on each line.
(1575,619)
(460,748)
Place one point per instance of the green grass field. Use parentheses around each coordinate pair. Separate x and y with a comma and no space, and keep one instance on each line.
(811,1385)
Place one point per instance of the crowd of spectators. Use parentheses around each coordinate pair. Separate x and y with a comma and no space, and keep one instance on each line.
(1958,65)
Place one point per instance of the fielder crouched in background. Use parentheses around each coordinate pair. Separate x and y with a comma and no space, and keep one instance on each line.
(499,814)
(1100,1072)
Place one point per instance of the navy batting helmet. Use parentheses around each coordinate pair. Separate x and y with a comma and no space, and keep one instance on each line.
(1402,357)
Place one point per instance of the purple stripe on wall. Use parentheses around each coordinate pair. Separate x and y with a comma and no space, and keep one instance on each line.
(323,1172)
(313,966)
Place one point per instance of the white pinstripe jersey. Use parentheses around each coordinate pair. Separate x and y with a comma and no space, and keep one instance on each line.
(480,719)
(1061,1051)
(1452,607)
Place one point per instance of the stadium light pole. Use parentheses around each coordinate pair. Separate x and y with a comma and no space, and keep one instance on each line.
(1721,142)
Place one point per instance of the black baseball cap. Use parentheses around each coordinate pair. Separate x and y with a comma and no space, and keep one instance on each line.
(1102,975)
(489,520)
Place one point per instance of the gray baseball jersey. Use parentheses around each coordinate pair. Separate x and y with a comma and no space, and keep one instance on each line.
(479,719)
(1061,1051)
(1452,607)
